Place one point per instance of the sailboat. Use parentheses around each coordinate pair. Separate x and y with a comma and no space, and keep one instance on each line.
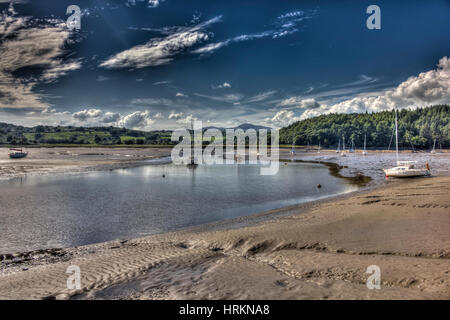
(364,151)
(352,149)
(434,147)
(405,168)
(339,146)
(318,151)
(293,146)
(15,153)
(343,147)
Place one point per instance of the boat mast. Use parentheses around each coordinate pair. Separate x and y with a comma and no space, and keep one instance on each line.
(364,142)
(396,135)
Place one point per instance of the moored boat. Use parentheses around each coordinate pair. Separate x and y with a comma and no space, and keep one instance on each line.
(15,153)
(405,169)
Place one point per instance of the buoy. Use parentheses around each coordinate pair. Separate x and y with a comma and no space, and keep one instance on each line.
(319,186)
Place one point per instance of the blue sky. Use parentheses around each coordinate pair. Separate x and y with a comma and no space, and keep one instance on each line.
(151,64)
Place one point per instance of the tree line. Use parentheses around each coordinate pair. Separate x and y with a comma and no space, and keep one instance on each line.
(418,128)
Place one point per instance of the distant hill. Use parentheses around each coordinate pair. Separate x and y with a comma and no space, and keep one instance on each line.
(18,135)
(244,126)
(418,128)
(69,135)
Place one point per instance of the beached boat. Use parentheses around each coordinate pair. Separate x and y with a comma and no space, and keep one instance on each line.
(405,169)
(15,153)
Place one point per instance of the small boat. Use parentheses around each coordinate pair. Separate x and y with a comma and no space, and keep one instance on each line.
(434,147)
(405,169)
(364,151)
(16,153)
(352,149)
(293,145)
(343,147)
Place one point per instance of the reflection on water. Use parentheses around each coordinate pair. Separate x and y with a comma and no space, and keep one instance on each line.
(63,211)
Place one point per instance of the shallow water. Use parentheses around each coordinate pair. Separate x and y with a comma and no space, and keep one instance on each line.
(72,210)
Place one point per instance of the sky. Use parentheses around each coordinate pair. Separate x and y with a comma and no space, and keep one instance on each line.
(158,64)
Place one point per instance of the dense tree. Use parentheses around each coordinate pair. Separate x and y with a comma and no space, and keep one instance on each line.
(418,128)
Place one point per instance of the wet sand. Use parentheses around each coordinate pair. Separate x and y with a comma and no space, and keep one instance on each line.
(317,251)
(58,160)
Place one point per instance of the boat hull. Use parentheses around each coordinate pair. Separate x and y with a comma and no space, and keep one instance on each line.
(18,155)
(406,173)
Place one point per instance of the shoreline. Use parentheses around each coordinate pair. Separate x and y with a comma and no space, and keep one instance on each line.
(312,250)
(320,252)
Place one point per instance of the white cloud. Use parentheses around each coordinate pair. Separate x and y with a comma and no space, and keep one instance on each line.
(28,42)
(187,120)
(299,102)
(283,118)
(175,115)
(150,3)
(136,120)
(261,96)
(180,95)
(222,86)
(284,25)
(159,51)
(87,114)
(230,98)
(431,87)
(110,117)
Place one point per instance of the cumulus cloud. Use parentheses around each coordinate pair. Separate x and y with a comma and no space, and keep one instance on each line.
(160,51)
(28,42)
(87,114)
(138,120)
(187,121)
(110,117)
(175,115)
(283,118)
(431,87)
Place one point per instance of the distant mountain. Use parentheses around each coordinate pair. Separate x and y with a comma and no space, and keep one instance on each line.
(244,126)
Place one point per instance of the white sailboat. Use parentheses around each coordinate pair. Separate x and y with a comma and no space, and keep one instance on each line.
(318,151)
(352,149)
(343,147)
(434,147)
(293,146)
(405,168)
(364,151)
